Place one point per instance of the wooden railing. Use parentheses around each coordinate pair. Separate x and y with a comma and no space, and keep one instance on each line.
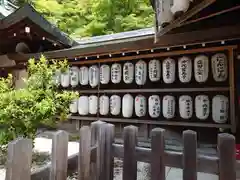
(97,151)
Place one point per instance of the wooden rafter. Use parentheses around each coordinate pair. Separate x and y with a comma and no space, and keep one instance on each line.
(179,21)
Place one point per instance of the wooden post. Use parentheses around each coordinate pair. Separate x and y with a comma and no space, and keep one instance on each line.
(59,156)
(84,154)
(95,126)
(189,155)
(130,158)
(109,159)
(157,154)
(19,160)
(227,157)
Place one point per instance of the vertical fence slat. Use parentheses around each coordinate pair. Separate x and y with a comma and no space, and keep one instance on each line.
(59,156)
(227,157)
(189,155)
(95,126)
(157,154)
(130,160)
(101,144)
(84,154)
(19,160)
(109,159)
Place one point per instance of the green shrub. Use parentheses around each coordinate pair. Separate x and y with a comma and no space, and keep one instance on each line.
(22,111)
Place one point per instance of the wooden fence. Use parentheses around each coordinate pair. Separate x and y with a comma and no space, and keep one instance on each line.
(97,151)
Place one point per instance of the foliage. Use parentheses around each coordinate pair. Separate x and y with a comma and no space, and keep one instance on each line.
(96,17)
(22,111)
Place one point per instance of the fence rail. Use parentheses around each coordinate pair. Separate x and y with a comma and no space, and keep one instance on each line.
(97,151)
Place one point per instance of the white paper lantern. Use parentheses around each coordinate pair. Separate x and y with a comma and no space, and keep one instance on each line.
(154,106)
(93,104)
(154,69)
(83,105)
(57,77)
(140,72)
(74,71)
(219,67)
(115,105)
(185,106)
(201,68)
(128,73)
(127,106)
(220,106)
(180,6)
(83,75)
(104,105)
(140,106)
(116,73)
(165,14)
(104,74)
(65,78)
(73,108)
(169,68)
(168,104)
(93,76)
(185,69)
(202,107)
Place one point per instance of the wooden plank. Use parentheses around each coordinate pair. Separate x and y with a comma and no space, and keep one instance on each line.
(154,55)
(227,157)
(84,156)
(109,158)
(95,126)
(189,155)
(232,91)
(173,122)
(157,155)
(130,159)
(19,160)
(59,156)
(187,15)
(209,89)
(207,164)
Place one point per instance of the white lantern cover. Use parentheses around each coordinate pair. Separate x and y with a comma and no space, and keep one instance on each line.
(127,106)
(115,105)
(140,106)
(65,78)
(168,104)
(220,106)
(74,72)
(165,14)
(201,68)
(104,74)
(219,67)
(169,69)
(154,69)
(93,76)
(128,73)
(73,108)
(180,6)
(185,106)
(93,104)
(185,69)
(104,105)
(57,77)
(154,106)
(116,73)
(140,72)
(83,105)
(83,75)
(202,107)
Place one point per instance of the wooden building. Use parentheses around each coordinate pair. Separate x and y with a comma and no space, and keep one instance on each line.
(209,27)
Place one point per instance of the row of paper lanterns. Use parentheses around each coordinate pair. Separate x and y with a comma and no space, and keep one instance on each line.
(86,105)
(93,75)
